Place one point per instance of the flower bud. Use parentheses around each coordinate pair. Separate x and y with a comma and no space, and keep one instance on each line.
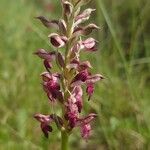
(57,40)
(85,15)
(62,26)
(89,44)
(47,65)
(60,60)
(85,31)
(68,7)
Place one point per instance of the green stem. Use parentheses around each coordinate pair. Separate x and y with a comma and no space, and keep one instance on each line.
(64,140)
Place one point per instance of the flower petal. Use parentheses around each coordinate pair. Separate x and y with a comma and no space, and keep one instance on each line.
(85,131)
(47,23)
(43,54)
(94,78)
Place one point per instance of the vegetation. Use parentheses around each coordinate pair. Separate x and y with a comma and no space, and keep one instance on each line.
(121,100)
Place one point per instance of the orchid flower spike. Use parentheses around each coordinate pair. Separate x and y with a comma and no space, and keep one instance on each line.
(65,87)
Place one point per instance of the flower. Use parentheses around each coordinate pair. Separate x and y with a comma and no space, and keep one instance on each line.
(45,120)
(80,66)
(77,93)
(86,120)
(72,113)
(51,85)
(47,56)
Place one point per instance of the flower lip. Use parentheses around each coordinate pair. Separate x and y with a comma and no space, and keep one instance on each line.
(90,90)
(85,131)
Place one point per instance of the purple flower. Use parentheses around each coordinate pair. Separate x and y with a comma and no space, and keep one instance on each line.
(47,56)
(88,79)
(72,113)
(84,124)
(45,120)
(80,66)
(86,120)
(77,93)
(51,85)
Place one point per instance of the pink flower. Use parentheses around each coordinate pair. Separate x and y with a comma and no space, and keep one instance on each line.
(51,85)
(77,93)
(84,124)
(45,120)
(80,66)
(47,56)
(86,120)
(72,113)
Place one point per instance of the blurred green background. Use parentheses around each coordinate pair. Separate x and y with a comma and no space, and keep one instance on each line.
(122,100)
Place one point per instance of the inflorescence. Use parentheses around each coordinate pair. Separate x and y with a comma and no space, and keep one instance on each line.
(65,86)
